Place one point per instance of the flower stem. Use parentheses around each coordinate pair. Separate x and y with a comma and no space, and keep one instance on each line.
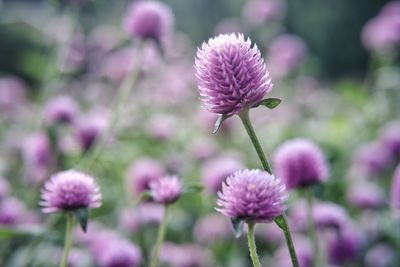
(160,239)
(117,106)
(244,116)
(68,239)
(282,223)
(312,230)
(252,245)
(280,220)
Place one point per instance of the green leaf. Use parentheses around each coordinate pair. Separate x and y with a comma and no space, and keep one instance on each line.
(281,222)
(12,232)
(82,216)
(237,226)
(219,122)
(271,103)
(146,195)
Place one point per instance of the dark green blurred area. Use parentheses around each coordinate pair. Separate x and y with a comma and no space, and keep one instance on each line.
(331,29)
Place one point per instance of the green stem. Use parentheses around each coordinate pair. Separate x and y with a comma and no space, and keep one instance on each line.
(282,223)
(160,239)
(280,220)
(117,106)
(68,239)
(244,116)
(312,230)
(252,245)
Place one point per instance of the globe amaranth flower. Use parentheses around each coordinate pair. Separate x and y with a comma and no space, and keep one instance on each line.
(215,171)
(252,195)
(184,255)
(148,20)
(231,74)
(119,253)
(62,109)
(142,172)
(300,163)
(69,190)
(344,247)
(166,190)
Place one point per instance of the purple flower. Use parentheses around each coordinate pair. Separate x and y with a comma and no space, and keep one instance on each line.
(326,215)
(88,129)
(380,255)
(344,246)
(299,163)
(366,195)
(36,152)
(285,53)
(390,139)
(148,20)
(395,190)
(381,33)
(12,93)
(11,211)
(69,190)
(372,159)
(151,213)
(119,253)
(184,255)
(231,74)
(215,171)
(252,195)
(259,11)
(212,228)
(166,190)
(142,172)
(61,109)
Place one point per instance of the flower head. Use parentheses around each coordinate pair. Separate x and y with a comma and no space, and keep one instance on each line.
(166,190)
(252,195)
(148,20)
(299,163)
(61,109)
(215,171)
(69,190)
(231,74)
(120,253)
(142,172)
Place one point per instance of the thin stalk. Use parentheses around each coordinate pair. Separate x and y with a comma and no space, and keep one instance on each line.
(68,239)
(160,239)
(280,220)
(312,230)
(117,107)
(282,223)
(244,116)
(252,245)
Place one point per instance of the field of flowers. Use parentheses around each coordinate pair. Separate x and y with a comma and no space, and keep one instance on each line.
(126,143)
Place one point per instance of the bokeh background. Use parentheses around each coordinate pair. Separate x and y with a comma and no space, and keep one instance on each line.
(334,64)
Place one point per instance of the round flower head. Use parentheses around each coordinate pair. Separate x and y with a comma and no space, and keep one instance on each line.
(148,20)
(119,253)
(344,247)
(252,195)
(299,163)
(231,74)
(166,190)
(381,255)
(142,172)
(69,190)
(61,109)
(216,170)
